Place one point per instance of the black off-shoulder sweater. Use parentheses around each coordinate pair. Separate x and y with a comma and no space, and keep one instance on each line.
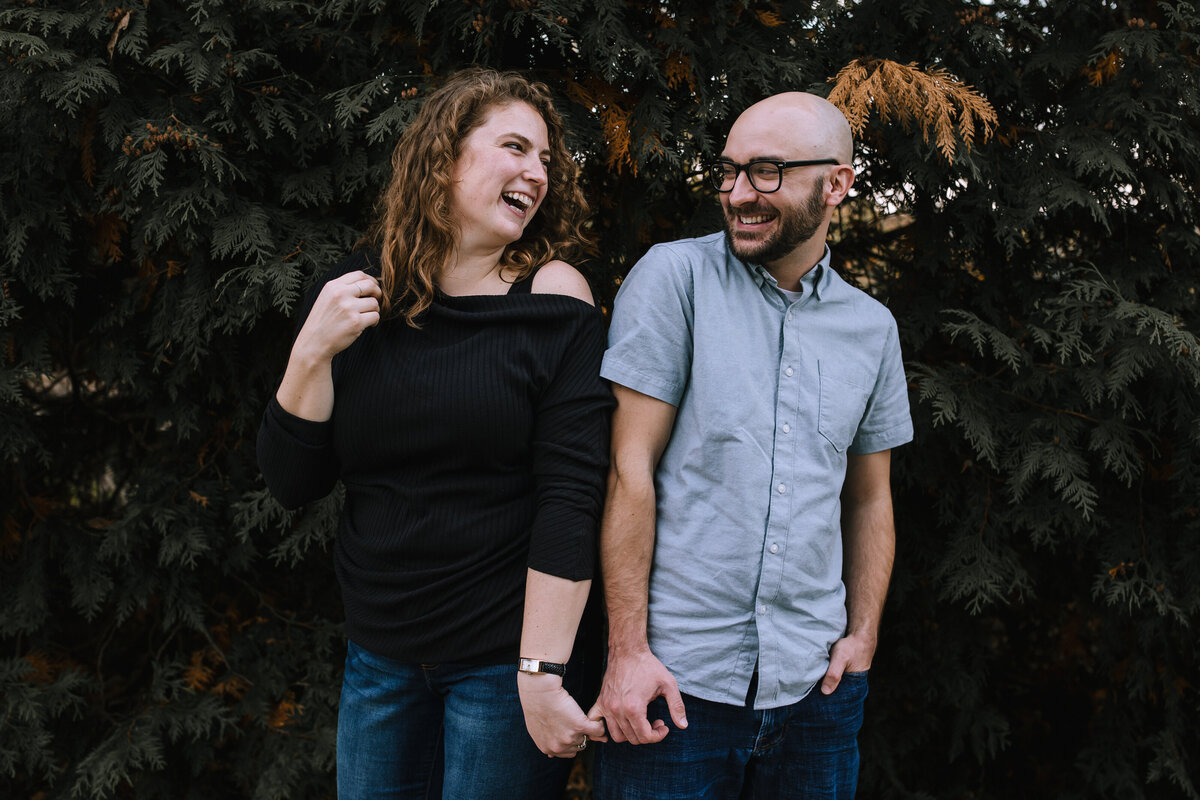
(470,449)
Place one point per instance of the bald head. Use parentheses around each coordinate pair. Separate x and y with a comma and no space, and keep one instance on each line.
(782,223)
(794,126)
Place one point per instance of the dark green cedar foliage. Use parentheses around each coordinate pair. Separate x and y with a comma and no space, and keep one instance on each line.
(1042,626)
(174,175)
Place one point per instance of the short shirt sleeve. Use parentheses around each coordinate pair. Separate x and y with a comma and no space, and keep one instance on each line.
(650,335)
(886,422)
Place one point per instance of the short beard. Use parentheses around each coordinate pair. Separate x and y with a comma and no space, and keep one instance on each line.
(797,224)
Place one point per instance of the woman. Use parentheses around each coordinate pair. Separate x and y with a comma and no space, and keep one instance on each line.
(449,377)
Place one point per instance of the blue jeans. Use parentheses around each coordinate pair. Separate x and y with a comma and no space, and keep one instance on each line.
(805,751)
(437,730)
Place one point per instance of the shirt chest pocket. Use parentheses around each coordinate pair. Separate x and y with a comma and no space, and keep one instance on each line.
(843,399)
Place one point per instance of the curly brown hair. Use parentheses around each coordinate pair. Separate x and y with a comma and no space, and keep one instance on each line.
(414,230)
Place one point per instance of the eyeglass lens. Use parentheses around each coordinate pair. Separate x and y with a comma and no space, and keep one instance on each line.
(765,176)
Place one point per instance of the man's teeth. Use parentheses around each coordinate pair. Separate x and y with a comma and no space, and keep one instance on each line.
(754,220)
(519,199)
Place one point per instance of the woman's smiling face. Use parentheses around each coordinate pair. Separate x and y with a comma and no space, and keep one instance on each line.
(500,178)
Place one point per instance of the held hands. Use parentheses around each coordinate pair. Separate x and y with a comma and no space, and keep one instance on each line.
(346,306)
(555,721)
(631,681)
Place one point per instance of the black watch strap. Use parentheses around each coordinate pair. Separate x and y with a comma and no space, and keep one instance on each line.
(534,665)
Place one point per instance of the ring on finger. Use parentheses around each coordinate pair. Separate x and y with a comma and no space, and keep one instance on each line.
(582,745)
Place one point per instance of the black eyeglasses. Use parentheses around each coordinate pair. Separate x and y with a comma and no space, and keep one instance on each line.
(765,176)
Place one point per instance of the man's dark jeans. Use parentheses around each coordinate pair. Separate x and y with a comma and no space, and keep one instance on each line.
(805,751)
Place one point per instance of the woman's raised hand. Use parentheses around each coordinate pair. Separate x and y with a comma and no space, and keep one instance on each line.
(346,306)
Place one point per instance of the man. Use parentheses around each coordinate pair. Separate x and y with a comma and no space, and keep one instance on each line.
(747,540)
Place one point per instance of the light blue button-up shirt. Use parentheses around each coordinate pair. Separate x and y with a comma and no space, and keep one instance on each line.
(771,395)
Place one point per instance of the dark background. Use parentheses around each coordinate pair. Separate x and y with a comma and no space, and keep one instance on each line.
(174,175)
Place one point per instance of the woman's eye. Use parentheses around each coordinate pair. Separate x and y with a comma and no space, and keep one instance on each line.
(520,148)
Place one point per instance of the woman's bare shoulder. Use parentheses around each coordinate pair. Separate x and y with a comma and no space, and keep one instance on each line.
(559,277)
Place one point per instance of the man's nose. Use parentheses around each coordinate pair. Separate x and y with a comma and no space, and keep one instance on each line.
(743,191)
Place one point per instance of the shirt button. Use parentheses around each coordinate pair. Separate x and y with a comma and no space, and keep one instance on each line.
(774,549)
(762,609)
(789,316)
(788,372)
(787,428)
(782,488)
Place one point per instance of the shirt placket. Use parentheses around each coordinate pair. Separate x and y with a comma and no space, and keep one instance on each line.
(779,511)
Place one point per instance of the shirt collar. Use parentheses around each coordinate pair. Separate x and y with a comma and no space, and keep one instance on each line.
(815,281)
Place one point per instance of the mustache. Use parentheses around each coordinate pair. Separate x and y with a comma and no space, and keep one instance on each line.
(746,211)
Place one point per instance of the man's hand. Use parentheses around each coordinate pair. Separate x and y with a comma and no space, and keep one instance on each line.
(850,654)
(631,681)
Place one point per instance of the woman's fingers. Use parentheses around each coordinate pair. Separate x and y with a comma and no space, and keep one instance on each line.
(555,721)
(583,732)
(346,306)
(362,284)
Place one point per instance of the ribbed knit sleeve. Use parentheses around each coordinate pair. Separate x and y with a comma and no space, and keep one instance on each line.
(570,456)
(296,456)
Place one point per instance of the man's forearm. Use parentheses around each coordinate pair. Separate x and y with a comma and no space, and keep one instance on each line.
(640,430)
(870,545)
(869,541)
(626,551)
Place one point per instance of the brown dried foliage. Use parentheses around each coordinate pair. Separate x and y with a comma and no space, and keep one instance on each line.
(603,98)
(1105,69)
(285,711)
(945,108)
(108,231)
(679,71)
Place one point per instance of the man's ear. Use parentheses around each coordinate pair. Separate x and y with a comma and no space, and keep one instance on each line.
(839,181)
